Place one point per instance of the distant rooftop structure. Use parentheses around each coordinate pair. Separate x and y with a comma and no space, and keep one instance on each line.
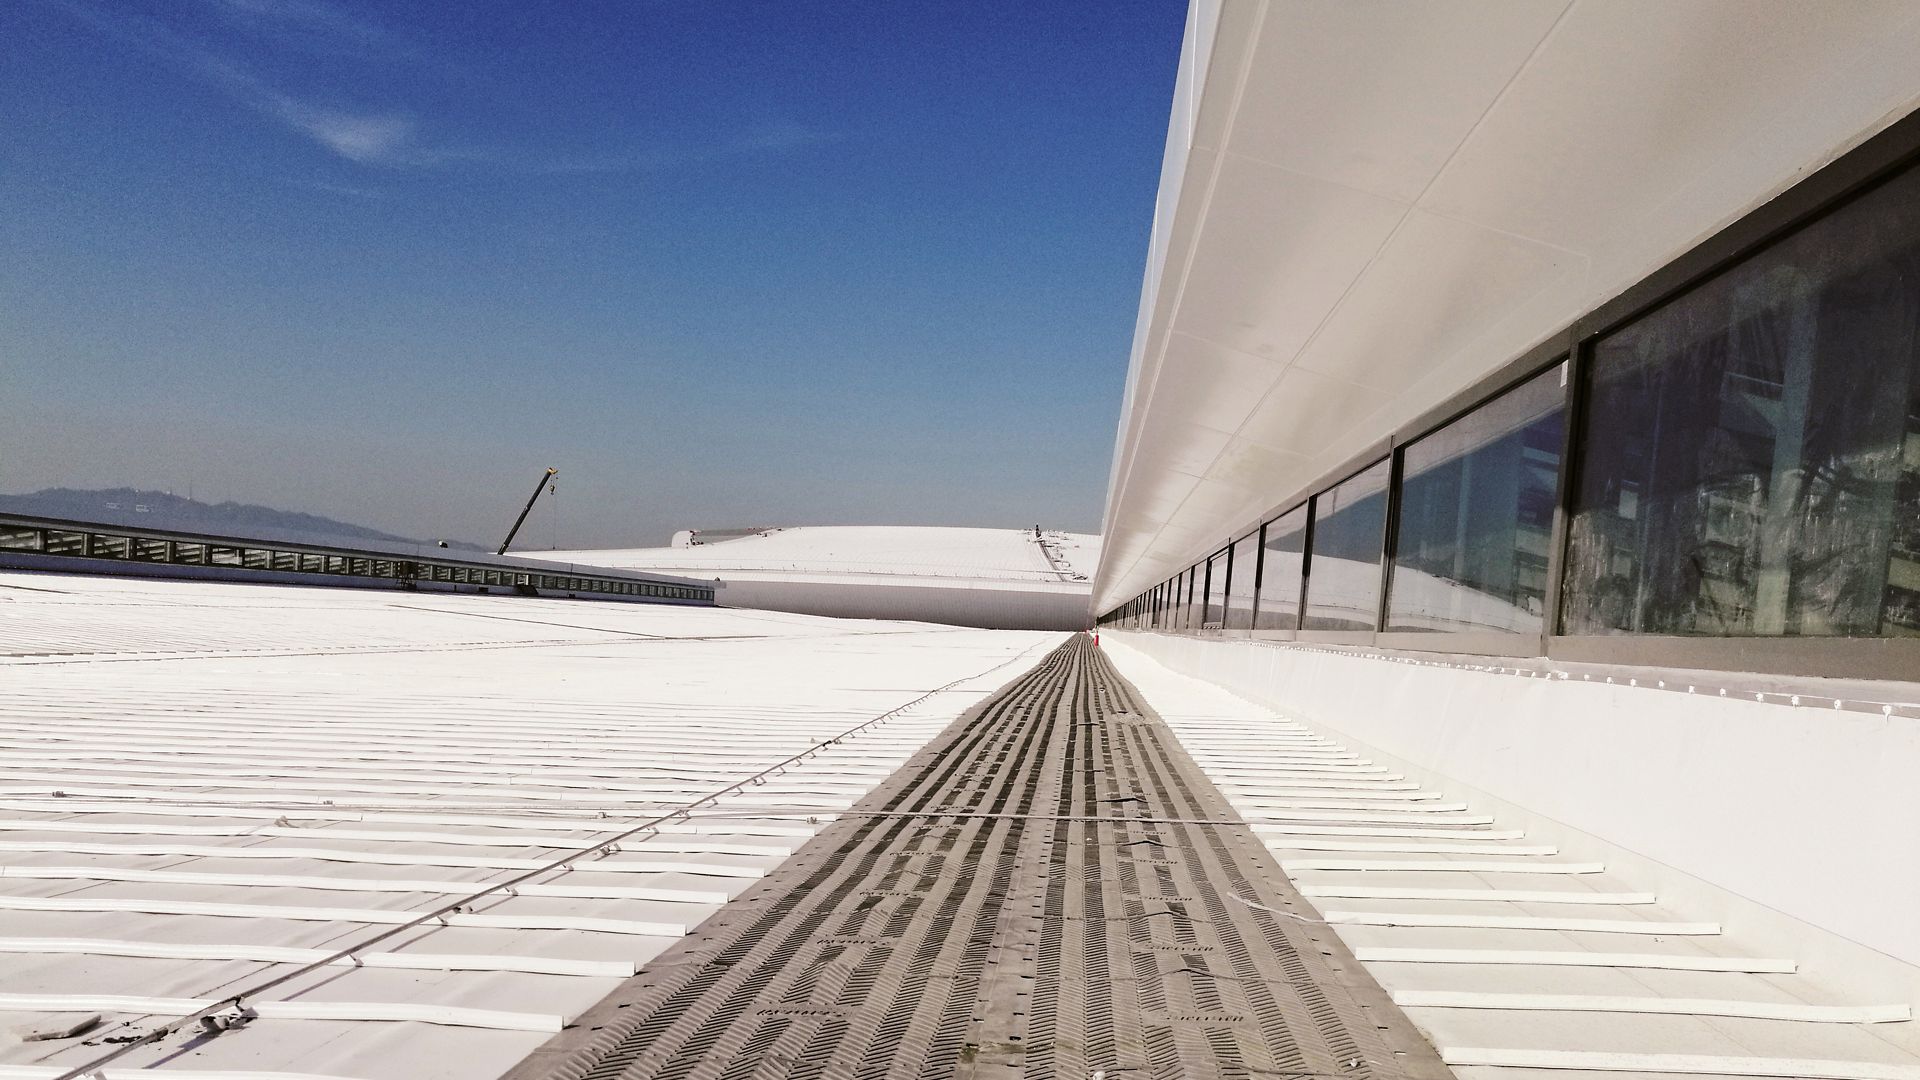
(1003,578)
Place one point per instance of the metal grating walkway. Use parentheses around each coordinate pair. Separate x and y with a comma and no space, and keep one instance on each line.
(1049,889)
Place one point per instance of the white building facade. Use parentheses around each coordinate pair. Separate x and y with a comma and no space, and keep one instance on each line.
(1530,394)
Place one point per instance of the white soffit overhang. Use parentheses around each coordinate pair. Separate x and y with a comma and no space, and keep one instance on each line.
(1369,205)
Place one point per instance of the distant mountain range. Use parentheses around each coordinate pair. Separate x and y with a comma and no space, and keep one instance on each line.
(160,510)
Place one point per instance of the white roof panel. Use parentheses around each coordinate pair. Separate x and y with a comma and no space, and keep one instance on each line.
(202,785)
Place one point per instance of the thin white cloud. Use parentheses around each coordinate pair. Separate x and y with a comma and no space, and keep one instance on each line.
(366,138)
(388,138)
(310,24)
(379,139)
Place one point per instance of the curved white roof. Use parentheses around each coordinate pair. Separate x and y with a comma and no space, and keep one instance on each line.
(930,554)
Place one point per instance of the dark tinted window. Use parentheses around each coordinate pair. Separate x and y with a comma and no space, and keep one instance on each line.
(1752,461)
(1216,586)
(1246,555)
(1476,515)
(1343,577)
(1286,546)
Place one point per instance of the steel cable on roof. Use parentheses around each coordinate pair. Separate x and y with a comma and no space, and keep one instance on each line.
(236,999)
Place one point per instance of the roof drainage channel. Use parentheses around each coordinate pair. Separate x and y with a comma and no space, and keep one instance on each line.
(1047,890)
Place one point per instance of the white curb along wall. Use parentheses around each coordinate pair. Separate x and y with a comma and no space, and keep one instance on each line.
(1799,826)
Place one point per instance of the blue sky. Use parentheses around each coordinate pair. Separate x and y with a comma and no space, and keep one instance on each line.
(721,263)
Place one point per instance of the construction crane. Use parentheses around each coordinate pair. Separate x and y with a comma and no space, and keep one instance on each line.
(527,509)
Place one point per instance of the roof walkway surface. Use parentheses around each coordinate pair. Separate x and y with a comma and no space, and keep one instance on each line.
(1051,888)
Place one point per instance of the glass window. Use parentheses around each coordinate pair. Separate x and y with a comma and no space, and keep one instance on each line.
(108,546)
(19,538)
(257,558)
(1284,555)
(61,542)
(1343,572)
(224,556)
(189,553)
(1752,459)
(150,549)
(1476,515)
(1215,594)
(1246,556)
(1189,582)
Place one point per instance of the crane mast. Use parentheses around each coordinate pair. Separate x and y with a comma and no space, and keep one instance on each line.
(527,509)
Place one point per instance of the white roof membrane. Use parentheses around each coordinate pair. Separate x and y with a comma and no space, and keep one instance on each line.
(1512,957)
(203,786)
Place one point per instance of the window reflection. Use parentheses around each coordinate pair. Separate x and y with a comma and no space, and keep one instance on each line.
(1246,553)
(1476,516)
(1286,546)
(1215,597)
(1753,466)
(1343,576)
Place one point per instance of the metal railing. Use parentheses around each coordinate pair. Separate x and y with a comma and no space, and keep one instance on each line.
(30,543)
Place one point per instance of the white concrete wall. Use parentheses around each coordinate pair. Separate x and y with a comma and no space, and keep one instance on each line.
(1797,824)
